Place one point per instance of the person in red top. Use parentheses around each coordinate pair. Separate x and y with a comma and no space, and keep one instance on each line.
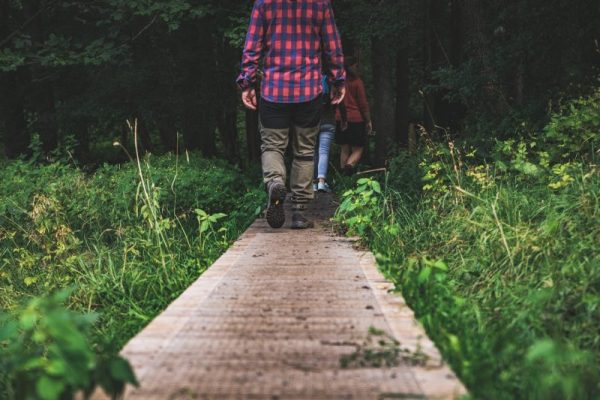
(353,137)
(295,40)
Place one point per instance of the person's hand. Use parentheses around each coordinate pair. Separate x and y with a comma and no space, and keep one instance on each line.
(337,94)
(369,128)
(249,98)
(344,126)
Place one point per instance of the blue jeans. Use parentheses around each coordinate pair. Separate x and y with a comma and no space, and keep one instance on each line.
(326,135)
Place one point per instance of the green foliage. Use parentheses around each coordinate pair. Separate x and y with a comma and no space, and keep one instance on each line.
(387,19)
(130,238)
(102,30)
(499,259)
(575,132)
(45,353)
(407,174)
(364,198)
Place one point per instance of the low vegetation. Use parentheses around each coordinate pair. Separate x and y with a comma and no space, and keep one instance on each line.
(497,253)
(126,239)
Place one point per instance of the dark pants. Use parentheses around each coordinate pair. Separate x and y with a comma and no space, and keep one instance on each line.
(355,135)
(276,121)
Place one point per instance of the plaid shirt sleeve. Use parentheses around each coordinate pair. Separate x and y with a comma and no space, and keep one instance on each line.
(252,48)
(333,55)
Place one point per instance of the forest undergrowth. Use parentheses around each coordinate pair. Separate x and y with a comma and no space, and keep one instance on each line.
(497,253)
(86,260)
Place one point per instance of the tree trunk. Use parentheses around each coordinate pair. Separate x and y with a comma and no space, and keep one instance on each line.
(430,62)
(227,124)
(519,84)
(457,109)
(168,134)
(43,103)
(199,97)
(199,131)
(12,117)
(402,97)
(456,32)
(16,137)
(438,110)
(226,66)
(81,127)
(384,106)
(493,95)
(42,99)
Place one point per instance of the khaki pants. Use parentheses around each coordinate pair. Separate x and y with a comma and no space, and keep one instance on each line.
(277,123)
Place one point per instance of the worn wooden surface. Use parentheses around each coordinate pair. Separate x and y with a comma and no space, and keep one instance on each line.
(274,318)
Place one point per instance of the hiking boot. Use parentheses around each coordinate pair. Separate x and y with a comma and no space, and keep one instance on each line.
(275,212)
(299,221)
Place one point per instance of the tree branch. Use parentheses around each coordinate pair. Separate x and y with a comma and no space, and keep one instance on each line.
(144,28)
(27,22)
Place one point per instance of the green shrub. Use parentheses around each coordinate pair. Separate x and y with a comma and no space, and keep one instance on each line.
(499,260)
(45,353)
(575,131)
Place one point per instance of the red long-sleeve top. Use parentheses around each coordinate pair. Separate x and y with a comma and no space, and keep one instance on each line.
(356,100)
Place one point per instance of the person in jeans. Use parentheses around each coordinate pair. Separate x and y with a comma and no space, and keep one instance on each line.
(292,37)
(326,134)
(353,138)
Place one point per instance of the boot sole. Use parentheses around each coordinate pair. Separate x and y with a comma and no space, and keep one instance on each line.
(275,211)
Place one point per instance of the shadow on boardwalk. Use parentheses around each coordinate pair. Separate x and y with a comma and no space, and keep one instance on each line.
(289,315)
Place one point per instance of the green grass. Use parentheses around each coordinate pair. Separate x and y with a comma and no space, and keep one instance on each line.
(128,248)
(128,239)
(499,259)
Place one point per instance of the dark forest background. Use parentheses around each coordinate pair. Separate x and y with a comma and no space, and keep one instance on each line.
(72,72)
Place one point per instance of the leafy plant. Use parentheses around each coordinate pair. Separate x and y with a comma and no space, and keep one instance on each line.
(46,353)
(359,206)
(206,223)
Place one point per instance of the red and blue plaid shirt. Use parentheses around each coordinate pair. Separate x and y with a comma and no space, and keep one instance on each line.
(291,36)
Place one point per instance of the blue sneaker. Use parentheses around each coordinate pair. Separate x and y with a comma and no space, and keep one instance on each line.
(323,187)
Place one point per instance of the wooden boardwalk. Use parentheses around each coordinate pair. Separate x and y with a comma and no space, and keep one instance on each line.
(289,315)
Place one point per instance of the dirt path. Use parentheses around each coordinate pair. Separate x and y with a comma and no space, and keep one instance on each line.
(289,315)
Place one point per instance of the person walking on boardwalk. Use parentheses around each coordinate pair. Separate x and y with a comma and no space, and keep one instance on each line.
(295,39)
(353,138)
(327,129)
